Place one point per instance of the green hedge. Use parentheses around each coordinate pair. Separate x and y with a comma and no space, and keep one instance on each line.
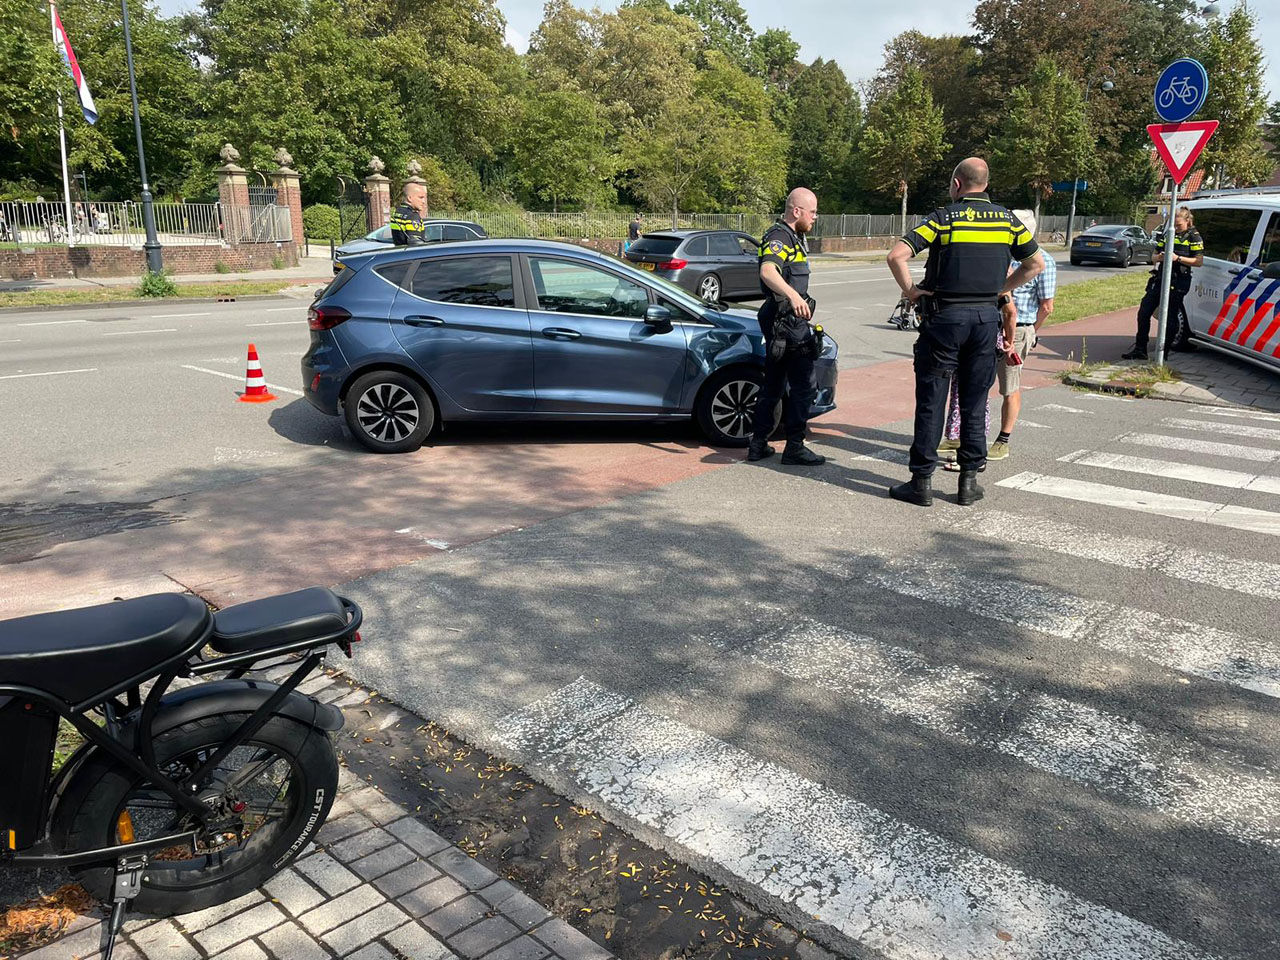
(322,221)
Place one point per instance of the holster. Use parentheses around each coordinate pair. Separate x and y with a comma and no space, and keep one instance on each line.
(791,334)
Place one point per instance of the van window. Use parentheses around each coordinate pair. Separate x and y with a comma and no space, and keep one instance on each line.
(1270,252)
(1227,232)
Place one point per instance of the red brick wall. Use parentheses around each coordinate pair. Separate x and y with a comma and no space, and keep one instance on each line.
(53,262)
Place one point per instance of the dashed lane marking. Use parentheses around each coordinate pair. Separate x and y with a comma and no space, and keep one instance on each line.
(47,373)
(232,376)
(134,333)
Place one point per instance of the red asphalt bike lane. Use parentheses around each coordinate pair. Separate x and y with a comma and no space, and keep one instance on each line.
(332,524)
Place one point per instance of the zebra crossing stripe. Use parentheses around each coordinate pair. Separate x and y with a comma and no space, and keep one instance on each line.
(1194,473)
(1211,447)
(1174,644)
(1237,412)
(1111,754)
(1144,501)
(1227,429)
(881,882)
(1253,577)
(1063,407)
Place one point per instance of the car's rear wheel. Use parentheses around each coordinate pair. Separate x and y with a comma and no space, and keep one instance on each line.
(1075,261)
(389,411)
(1127,262)
(710,288)
(726,406)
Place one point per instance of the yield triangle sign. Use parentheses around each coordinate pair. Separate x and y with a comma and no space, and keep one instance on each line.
(1179,144)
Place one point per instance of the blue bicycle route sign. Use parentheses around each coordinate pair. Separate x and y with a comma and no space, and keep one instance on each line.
(1181,90)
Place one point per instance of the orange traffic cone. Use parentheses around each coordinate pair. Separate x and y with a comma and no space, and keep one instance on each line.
(255,383)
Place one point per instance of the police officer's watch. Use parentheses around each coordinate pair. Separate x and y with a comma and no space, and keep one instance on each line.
(1003,300)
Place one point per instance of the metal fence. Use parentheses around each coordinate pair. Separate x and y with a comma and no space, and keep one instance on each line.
(111,223)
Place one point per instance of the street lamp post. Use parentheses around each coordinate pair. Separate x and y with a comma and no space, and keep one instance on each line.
(152,245)
(1107,86)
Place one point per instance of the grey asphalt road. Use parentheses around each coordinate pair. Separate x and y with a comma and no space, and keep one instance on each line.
(1043,727)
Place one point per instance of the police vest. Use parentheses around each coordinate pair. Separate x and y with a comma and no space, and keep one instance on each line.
(407,226)
(789,251)
(970,243)
(1188,244)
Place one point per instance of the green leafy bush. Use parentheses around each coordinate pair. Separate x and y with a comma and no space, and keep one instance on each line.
(277,262)
(157,284)
(221,267)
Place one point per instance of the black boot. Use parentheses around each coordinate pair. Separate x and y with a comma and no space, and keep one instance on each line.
(917,490)
(758,450)
(1139,352)
(969,492)
(798,455)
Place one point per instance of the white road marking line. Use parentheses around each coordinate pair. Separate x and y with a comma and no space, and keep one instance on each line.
(1227,429)
(897,889)
(888,455)
(1253,577)
(232,376)
(1211,447)
(282,309)
(1181,645)
(48,323)
(271,323)
(1143,501)
(132,333)
(1236,412)
(838,283)
(1114,755)
(1190,472)
(1033,425)
(237,455)
(1109,397)
(175,316)
(10,341)
(1062,407)
(49,373)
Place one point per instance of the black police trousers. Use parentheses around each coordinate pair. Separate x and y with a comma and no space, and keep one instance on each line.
(1151,303)
(795,370)
(958,340)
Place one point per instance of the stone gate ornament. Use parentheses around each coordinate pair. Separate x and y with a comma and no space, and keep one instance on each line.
(376,164)
(283,157)
(229,154)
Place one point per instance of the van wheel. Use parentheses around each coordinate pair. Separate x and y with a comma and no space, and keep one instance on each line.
(726,406)
(389,411)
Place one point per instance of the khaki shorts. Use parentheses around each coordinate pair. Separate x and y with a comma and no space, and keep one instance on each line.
(1010,378)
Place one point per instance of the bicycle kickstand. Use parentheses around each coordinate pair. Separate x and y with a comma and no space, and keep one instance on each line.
(128,883)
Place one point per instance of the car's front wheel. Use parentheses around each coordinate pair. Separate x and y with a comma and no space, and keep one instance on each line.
(726,406)
(389,411)
(710,288)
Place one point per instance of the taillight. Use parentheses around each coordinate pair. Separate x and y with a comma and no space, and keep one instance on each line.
(1119,244)
(673,264)
(325,318)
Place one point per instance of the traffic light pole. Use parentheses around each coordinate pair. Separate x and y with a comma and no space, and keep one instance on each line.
(152,246)
(1166,275)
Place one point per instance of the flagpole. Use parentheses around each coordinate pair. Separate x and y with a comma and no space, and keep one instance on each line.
(62,141)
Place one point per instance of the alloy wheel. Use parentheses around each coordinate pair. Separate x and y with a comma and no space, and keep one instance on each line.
(733,407)
(709,288)
(388,412)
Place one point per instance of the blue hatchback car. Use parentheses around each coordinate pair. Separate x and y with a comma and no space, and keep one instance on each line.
(406,340)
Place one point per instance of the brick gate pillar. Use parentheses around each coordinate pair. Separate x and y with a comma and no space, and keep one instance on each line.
(233,194)
(287,182)
(377,189)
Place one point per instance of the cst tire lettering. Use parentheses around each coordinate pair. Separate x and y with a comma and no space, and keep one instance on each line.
(307,830)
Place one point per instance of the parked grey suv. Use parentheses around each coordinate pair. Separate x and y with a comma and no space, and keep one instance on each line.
(713,264)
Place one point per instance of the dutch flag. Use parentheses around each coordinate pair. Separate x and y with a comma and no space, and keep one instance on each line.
(73,66)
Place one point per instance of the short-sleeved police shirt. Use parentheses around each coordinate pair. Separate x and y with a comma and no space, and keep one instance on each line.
(1188,244)
(970,243)
(407,227)
(785,248)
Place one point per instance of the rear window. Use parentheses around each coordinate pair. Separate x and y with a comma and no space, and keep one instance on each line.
(657,245)
(394,272)
(724,245)
(1227,233)
(474,281)
(455,231)
(697,247)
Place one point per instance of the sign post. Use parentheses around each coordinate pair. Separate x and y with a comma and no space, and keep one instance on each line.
(1180,92)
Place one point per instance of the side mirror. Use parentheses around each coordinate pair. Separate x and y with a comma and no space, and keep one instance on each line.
(1270,272)
(656,315)
(318,294)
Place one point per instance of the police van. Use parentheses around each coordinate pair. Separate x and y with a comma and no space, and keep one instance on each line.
(1234,301)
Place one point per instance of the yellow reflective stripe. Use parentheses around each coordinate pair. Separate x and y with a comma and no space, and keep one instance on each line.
(928,232)
(1022,236)
(1197,246)
(966,235)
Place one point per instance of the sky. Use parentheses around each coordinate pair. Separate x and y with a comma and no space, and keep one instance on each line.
(851,32)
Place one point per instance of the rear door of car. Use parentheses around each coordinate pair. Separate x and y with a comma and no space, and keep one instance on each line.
(593,352)
(1225,288)
(462,320)
(734,269)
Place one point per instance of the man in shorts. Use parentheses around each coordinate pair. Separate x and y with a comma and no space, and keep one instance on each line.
(1033,302)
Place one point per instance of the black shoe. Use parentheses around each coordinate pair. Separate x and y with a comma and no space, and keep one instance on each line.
(1137,353)
(801,456)
(917,490)
(969,492)
(758,451)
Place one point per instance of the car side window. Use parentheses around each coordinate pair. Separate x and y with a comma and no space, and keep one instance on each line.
(566,287)
(723,245)
(431,232)
(394,272)
(453,231)
(750,247)
(1227,232)
(472,281)
(697,247)
(1270,252)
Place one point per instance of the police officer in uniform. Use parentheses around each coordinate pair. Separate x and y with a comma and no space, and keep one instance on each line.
(1188,252)
(786,311)
(407,227)
(966,286)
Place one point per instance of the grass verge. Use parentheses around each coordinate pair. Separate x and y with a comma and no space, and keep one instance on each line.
(1089,298)
(57,298)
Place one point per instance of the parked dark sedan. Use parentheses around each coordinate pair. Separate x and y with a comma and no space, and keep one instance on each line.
(1118,244)
(714,264)
(405,340)
(436,230)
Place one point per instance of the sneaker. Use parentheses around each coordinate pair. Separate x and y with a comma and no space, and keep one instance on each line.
(1137,353)
(998,450)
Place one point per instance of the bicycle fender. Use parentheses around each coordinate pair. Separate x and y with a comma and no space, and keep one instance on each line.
(240,696)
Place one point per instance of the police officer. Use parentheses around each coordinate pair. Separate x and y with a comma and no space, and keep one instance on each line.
(966,286)
(784,280)
(1188,252)
(407,227)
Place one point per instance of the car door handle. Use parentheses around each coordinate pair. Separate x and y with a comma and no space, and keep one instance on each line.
(424,321)
(560,333)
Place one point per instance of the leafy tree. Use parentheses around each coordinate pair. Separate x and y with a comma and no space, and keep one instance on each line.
(724,27)
(1273,131)
(1044,137)
(904,134)
(560,148)
(825,123)
(671,156)
(750,172)
(1234,59)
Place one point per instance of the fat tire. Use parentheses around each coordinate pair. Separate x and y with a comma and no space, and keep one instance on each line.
(85,815)
(426,411)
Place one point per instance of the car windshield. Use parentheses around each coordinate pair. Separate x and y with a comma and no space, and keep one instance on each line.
(658,245)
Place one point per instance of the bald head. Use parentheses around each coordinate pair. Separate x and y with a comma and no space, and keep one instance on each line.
(801,209)
(971,175)
(415,195)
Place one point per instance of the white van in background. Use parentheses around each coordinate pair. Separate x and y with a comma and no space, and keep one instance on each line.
(1234,301)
